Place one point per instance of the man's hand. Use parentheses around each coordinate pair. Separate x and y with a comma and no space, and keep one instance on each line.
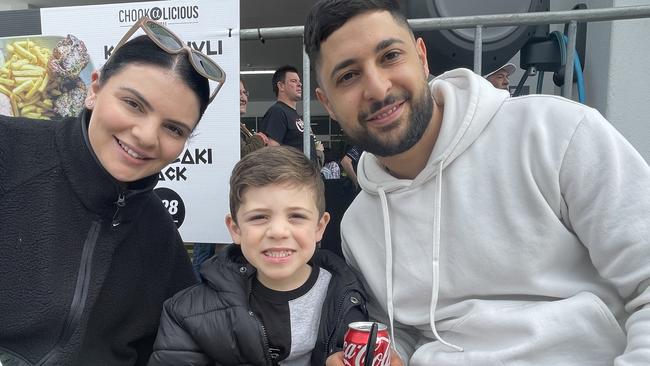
(319,145)
(262,137)
(336,359)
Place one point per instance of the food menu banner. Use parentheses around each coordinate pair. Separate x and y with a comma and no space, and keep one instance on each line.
(47,76)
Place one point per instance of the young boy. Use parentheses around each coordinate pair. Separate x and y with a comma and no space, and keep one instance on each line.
(271,298)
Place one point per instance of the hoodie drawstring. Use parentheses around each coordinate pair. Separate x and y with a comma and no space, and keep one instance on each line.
(435,265)
(389,261)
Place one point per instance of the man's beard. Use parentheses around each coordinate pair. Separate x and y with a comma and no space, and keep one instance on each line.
(418,120)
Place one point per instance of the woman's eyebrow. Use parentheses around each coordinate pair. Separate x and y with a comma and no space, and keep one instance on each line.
(144,101)
(180,124)
(137,95)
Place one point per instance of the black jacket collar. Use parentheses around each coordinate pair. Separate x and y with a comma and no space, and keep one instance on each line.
(96,188)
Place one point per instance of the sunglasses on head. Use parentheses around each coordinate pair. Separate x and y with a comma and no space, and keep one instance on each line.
(172,44)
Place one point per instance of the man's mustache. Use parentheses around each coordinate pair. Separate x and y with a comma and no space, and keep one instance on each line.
(376,106)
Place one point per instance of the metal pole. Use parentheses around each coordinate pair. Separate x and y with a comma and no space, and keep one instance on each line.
(551,17)
(306,110)
(478,48)
(567,90)
(497,20)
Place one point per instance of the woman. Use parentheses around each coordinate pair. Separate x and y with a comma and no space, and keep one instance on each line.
(89,253)
(248,141)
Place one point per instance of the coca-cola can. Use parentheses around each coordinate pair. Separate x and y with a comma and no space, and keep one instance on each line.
(356,341)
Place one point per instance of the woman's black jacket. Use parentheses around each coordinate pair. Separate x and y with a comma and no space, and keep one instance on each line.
(86,262)
(212,323)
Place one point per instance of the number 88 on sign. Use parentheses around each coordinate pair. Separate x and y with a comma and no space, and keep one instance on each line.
(173,203)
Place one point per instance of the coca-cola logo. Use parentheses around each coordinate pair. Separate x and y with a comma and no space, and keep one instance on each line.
(355,354)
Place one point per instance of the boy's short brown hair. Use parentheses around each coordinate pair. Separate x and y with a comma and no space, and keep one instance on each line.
(275,165)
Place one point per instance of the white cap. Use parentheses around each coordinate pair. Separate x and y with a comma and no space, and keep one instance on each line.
(509,68)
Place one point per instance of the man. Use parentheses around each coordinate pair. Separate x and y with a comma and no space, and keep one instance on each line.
(282,124)
(499,77)
(490,230)
(248,142)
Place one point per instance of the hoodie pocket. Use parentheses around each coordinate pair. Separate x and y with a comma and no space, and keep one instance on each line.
(576,331)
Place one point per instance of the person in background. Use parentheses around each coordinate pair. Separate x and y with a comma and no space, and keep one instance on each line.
(248,142)
(332,167)
(350,161)
(271,298)
(320,152)
(282,124)
(340,190)
(89,252)
(490,230)
(499,77)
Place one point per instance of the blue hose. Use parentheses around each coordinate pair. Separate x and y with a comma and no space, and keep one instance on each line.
(577,66)
(561,45)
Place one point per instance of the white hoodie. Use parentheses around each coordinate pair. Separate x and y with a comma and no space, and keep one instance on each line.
(524,241)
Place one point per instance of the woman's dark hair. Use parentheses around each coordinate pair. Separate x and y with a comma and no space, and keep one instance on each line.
(142,50)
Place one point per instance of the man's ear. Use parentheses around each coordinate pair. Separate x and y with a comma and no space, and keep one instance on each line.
(324,100)
(233,229)
(422,55)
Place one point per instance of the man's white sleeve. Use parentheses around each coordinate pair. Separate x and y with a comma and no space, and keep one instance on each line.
(606,186)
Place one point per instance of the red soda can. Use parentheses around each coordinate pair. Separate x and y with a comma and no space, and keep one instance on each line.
(355,345)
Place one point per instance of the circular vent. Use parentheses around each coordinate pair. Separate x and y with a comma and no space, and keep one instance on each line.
(449,49)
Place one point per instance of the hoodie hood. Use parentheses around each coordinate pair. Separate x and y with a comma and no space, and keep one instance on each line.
(469,102)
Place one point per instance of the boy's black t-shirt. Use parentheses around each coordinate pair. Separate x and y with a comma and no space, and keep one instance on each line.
(287,314)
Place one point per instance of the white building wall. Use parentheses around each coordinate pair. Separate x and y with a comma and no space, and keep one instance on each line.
(598,59)
(628,93)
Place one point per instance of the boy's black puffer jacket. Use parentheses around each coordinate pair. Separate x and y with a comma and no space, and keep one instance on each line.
(212,322)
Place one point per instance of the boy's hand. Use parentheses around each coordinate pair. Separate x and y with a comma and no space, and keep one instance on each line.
(336,359)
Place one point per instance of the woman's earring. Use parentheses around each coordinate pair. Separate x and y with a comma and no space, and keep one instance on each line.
(90,102)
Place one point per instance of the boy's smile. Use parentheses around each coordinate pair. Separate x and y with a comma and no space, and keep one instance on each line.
(278,227)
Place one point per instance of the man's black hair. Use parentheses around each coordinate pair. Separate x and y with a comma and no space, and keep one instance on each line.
(326,16)
(279,75)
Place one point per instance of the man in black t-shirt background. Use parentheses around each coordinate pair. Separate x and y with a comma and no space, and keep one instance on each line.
(282,124)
